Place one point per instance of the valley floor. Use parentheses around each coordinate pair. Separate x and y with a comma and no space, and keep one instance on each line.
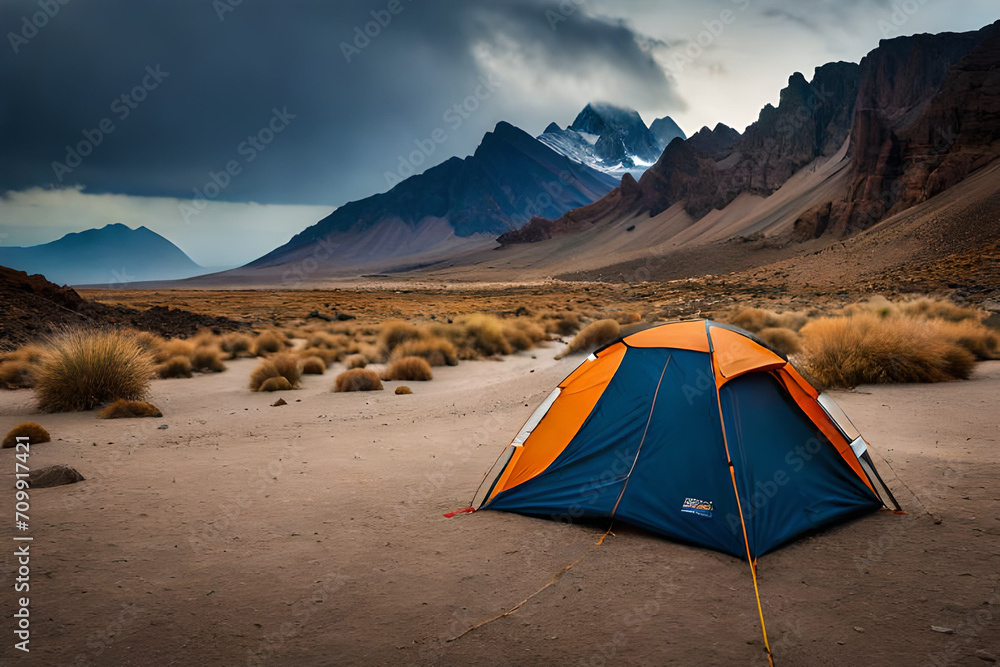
(312,534)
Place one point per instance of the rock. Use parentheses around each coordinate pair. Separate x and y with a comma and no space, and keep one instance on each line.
(279,403)
(162,427)
(943,630)
(57,475)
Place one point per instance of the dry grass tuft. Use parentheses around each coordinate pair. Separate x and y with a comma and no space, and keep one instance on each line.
(868,348)
(30,430)
(123,409)
(593,335)
(395,332)
(403,389)
(237,345)
(268,342)
(208,359)
(313,366)
(284,365)
(358,379)
(437,351)
(757,319)
(174,367)
(85,368)
(16,374)
(175,347)
(627,318)
(34,432)
(408,368)
(781,339)
(485,334)
(356,361)
(276,383)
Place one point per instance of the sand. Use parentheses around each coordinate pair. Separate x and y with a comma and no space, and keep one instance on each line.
(312,534)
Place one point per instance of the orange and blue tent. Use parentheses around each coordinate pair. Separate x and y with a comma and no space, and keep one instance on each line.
(697,431)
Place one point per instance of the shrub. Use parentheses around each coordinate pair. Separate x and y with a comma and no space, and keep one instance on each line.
(326,354)
(85,368)
(436,350)
(30,430)
(628,318)
(938,309)
(16,374)
(593,335)
(408,368)
(393,333)
(284,365)
(207,358)
(522,334)
(123,409)
(236,345)
(356,361)
(175,347)
(175,367)
(149,342)
(781,339)
(867,348)
(277,383)
(327,340)
(485,334)
(403,389)
(975,337)
(564,324)
(268,342)
(313,366)
(358,379)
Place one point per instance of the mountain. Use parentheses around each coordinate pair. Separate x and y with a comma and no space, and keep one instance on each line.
(665,130)
(612,139)
(112,255)
(853,146)
(454,206)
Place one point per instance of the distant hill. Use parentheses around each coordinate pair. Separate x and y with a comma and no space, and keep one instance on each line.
(112,255)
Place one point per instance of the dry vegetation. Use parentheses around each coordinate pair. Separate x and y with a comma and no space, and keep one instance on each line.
(284,365)
(358,379)
(877,340)
(82,369)
(408,368)
(124,409)
(30,430)
(593,336)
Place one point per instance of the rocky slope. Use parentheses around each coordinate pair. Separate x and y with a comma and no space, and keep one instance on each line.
(918,115)
(510,178)
(33,307)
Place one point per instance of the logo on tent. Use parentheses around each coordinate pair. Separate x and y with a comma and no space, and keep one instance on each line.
(700,507)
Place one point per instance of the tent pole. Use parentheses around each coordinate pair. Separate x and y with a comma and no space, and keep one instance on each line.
(739,506)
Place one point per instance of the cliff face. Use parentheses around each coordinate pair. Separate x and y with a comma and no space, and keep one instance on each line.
(926,116)
(921,112)
(713,167)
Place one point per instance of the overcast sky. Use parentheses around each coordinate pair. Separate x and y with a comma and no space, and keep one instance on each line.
(331,110)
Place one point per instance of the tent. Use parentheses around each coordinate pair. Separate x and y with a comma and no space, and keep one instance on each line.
(697,431)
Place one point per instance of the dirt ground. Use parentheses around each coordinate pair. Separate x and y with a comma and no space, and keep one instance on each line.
(232,532)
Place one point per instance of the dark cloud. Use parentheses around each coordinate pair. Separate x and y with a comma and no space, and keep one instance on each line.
(226,76)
